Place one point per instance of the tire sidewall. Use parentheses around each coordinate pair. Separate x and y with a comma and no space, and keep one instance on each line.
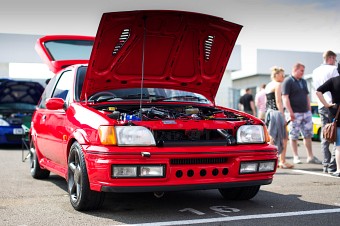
(80,203)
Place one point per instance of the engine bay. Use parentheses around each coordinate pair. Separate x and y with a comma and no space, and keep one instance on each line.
(169,112)
(195,125)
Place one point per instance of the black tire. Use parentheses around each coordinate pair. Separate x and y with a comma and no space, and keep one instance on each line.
(81,197)
(242,193)
(36,171)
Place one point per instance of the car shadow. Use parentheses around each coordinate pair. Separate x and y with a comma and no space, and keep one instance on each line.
(188,205)
(136,208)
(14,147)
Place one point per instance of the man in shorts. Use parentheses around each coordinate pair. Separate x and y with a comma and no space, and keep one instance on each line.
(296,100)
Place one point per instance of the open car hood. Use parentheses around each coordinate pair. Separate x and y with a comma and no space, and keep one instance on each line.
(13,91)
(163,49)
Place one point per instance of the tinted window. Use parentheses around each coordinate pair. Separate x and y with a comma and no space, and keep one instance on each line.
(64,85)
(69,49)
(80,81)
(47,92)
(315,111)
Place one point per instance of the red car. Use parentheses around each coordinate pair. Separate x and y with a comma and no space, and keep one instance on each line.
(132,110)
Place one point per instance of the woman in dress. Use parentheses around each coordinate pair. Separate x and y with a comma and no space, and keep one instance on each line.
(275,119)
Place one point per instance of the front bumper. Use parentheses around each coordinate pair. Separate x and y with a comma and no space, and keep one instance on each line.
(188,187)
(189,168)
(11,135)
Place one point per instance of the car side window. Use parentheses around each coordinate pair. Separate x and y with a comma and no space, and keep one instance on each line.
(80,81)
(315,111)
(64,85)
(47,92)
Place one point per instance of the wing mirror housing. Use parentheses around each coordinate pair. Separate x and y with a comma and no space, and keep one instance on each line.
(55,104)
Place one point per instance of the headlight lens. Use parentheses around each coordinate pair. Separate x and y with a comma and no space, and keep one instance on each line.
(151,171)
(124,171)
(248,167)
(257,166)
(266,166)
(134,136)
(138,171)
(3,123)
(250,134)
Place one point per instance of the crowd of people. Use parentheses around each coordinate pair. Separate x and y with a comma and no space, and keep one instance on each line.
(284,106)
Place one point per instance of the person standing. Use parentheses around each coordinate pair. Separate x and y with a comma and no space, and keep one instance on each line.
(260,102)
(275,119)
(295,96)
(321,74)
(247,102)
(332,85)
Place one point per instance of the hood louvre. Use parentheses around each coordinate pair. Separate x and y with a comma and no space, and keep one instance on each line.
(208,44)
(124,36)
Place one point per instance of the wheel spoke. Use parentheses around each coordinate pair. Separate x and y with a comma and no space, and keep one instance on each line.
(72,166)
(73,187)
(78,190)
(32,157)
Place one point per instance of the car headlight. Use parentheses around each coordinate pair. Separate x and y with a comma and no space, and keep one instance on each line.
(250,134)
(124,171)
(134,136)
(257,166)
(3,123)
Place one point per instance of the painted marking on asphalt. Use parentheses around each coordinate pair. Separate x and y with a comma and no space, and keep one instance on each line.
(247,217)
(314,173)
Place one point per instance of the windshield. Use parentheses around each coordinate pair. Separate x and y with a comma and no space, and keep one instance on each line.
(151,94)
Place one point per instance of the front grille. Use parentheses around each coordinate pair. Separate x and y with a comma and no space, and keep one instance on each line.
(185,138)
(188,135)
(14,121)
(193,161)
(13,138)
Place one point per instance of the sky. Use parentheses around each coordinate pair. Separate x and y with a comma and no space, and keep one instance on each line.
(298,25)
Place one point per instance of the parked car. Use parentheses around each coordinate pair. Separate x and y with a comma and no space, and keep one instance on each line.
(316,122)
(132,110)
(18,100)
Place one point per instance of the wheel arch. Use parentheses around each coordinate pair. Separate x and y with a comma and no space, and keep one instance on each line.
(77,136)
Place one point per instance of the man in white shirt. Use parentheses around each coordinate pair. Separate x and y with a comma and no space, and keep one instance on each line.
(321,74)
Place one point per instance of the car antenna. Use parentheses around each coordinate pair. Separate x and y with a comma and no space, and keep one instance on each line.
(143,62)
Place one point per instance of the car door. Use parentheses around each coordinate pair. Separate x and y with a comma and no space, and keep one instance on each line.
(52,131)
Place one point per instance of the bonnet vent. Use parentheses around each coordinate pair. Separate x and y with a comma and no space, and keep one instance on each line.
(208,43)
(124,36)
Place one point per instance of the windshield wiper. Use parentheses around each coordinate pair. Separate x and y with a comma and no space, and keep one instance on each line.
(105,99)
(143,96)
(182,97)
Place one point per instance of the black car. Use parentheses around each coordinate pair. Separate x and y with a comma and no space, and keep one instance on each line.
(18,100)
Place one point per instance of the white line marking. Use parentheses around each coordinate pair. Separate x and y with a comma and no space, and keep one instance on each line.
(247,217)
(313,173)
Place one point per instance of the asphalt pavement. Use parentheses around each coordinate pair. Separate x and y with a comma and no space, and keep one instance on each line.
(300,196)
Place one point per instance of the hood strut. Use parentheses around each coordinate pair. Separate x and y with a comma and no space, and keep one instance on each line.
(143,63)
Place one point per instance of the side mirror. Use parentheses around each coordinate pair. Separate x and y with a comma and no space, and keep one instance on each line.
(55,104)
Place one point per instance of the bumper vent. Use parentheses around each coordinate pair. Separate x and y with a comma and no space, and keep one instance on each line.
(194,161)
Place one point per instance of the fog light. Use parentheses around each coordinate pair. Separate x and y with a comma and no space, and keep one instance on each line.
(248,167)
(151,171)
(124,171)
(267,166)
